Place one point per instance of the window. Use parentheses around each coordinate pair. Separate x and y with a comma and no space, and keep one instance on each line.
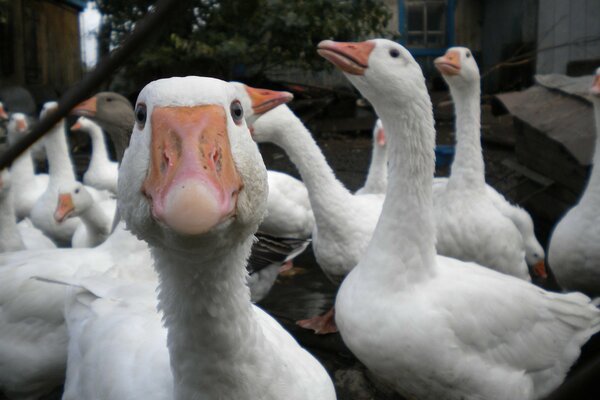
(426,24)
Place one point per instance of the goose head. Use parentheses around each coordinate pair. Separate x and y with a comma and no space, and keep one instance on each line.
(379,68)
(191,176)
(82,123)
(458,67)
(114,113)
(256,101)
(73,200)
(17,126)
(3,114)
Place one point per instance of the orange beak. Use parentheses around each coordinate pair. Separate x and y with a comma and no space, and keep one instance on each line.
(3,114)
(539,270)
(192,182)
(596,85)
(76,126)
(449,63)
(350,57)
(64,208)
(381,137)
(87,108)
(264,100)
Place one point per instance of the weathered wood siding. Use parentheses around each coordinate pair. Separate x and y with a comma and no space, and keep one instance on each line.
(567,31)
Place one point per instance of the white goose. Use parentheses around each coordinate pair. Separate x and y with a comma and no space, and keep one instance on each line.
(74,200)
(376,182)
(27,186)
(102,173)
(61,172)
(198,213)
(444,328)
(574,250)
(344,222)
(10,238)
(470,227)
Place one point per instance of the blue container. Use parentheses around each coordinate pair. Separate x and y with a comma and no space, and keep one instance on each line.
(444,154)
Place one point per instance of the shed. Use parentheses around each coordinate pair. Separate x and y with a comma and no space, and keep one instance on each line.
(555,139)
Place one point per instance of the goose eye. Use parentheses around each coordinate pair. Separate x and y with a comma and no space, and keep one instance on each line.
(394,53)
(468,54)
(140,114)
(237,112)
(77,191)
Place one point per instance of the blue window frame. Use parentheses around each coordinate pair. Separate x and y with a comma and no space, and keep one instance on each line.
(426,26)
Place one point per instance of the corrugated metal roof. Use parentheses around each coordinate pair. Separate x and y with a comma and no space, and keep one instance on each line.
(560,109)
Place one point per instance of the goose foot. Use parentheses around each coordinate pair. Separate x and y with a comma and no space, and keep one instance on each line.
(322,324)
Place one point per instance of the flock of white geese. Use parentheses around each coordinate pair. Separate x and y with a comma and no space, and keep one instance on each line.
(152,298)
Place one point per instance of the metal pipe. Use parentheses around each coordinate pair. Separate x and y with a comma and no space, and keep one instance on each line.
(85,88)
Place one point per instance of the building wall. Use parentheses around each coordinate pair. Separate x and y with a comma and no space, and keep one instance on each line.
(44,49)
(567,31)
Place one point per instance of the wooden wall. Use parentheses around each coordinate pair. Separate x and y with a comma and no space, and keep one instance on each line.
(567,31)
(46,45)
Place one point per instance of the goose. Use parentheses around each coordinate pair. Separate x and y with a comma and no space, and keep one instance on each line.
(102,172)
(344,222)
(470,227)
(60,172)
(10,238)
(198,209)
(3,113)
(74,200)
(574,250)
(445,328)
(377,176)
(27,186)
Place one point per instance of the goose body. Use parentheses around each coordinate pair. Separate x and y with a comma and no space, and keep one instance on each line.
(574,249)
(219,352)
(445,328)
(27,186)
(102,172)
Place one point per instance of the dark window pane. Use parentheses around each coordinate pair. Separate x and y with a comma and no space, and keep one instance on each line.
(414,17)
(435,16)
(417,40)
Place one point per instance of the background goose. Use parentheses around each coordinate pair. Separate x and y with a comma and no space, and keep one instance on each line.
(376,182)
(444,328)
(101,172)
(574,250)
(469,225)
(225,208)
(27,186)
(10,238)
(74,200)
(344,222)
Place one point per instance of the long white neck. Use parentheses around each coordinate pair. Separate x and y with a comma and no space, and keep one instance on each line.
(591,194)
(22,171)
(377,177)
(60,166)
(210,321)
(96,222)
(404,239)
(468,167)
(99,152)
(325,191)
(10,238)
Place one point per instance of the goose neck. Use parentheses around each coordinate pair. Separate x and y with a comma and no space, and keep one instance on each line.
(403,243)
(59,163)
(99,152)
(96,221)
(377,176)
(468,169)
(591,194)
(10,238)
(208,315)
(22,169)
(325,191)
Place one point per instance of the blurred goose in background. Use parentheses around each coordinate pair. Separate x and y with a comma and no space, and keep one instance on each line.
(102,172)
(10,239)
(3,113)
(470,225)
(27,186)
(74,200)
(436,327)
(574,249)
(376,182)
(344,222)
(208,197)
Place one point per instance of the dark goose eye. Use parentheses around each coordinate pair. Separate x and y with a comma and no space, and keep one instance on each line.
(237,112)
(468,54)
(395,53)
(140,115)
